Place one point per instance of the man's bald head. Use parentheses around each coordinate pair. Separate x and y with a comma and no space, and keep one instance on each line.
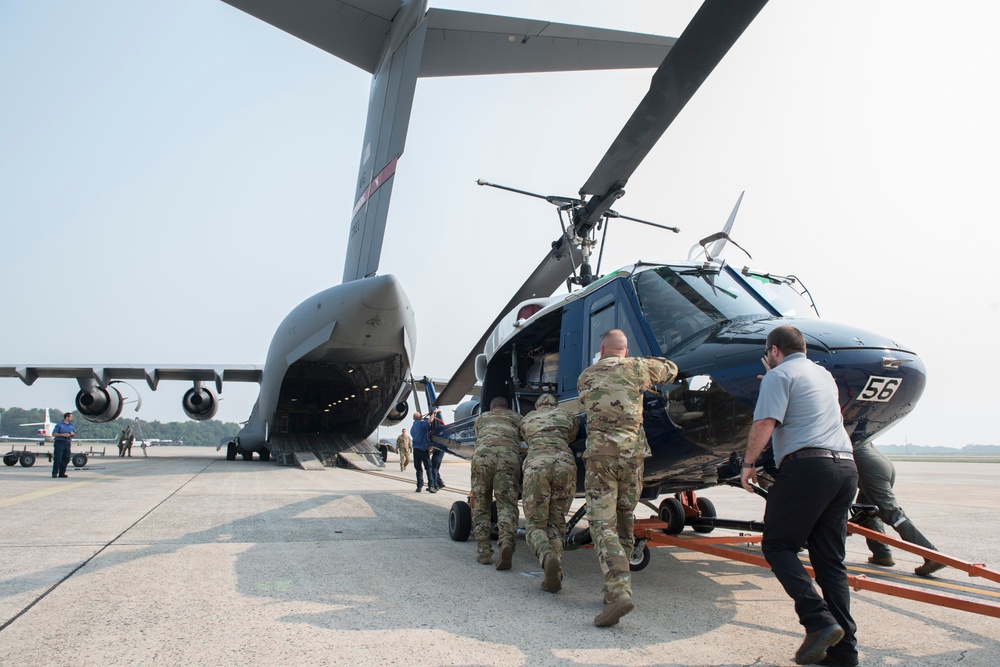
(614,342)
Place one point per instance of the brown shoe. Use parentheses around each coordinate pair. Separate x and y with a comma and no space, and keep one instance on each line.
(885,561)
(929,567)
(613,611)
(484,558)
(506,554)
(814,646)
(552,583)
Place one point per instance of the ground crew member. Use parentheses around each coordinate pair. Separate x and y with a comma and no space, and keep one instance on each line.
(549,484)
(63,434)
(611,392)
(876,475)
(404,445)
(496,471)
(808,503)
(421,452)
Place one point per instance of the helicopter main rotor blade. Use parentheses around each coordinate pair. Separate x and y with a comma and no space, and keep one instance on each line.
(543,281)
(706,40)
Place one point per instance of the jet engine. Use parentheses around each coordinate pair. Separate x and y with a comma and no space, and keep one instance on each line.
(397,414)
(199,403)
(99,404)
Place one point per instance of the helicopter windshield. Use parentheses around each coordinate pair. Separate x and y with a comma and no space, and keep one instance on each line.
(679,301)
(781,294)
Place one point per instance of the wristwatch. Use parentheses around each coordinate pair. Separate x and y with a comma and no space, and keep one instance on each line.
(748,465)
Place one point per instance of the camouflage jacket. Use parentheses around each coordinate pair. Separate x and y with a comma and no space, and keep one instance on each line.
(498,431)
(404,442)
(549,429)
(611,392)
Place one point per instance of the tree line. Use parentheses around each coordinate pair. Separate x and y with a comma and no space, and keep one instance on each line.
(199,434)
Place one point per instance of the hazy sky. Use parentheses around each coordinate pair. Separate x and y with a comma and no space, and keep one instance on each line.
(176,177)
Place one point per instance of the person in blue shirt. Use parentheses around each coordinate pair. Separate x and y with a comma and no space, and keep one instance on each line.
(420,432)
(63,434)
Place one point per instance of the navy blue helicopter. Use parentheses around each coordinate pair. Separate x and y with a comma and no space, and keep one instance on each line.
(710,318)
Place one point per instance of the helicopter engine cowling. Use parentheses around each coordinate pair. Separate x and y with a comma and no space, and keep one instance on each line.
(199,403)
(99,404)
(397,414)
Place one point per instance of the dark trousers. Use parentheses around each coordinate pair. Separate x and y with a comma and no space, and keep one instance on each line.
(421,462)
(876,476)
(435,478)
(808,506)
(60,457)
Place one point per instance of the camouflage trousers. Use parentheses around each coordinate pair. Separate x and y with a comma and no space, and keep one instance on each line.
(495,474)
(404,458)
(549,487)
(613,485)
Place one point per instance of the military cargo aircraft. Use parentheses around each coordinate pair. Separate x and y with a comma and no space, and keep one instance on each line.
(338,364)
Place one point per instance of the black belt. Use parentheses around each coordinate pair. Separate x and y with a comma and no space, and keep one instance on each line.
(815,452)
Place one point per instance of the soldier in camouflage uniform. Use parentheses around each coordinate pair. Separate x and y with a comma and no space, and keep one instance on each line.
(404,445)
(549,483)
(496,470)
(611,392)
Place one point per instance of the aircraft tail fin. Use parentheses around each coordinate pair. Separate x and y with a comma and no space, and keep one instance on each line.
(400,40)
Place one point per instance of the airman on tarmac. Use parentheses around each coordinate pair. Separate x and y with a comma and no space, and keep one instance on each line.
(496,470)
(611,391)
(549,484)
(404,444)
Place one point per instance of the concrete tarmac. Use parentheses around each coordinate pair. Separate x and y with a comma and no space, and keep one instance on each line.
(185,558)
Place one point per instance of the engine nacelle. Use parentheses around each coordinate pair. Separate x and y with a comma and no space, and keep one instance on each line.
(199,403)
(397,414)
(469,408)
(99,404)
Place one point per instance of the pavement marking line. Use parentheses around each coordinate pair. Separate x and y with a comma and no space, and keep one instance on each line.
(63,486)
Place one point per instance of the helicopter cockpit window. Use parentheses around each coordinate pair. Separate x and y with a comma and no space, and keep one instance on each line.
(781,294)
(679,302)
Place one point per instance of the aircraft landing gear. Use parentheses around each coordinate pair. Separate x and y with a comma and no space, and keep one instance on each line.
(231,451)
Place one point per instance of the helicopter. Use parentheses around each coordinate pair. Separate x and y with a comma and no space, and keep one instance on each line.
(709,317)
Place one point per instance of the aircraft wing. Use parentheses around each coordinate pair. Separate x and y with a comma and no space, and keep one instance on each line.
(151,374)
(465,43)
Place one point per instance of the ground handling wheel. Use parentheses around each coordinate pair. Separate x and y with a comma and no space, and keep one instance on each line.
(706,508)
(672,514)
(10,459)
(79,460)
(640,556)
(460,521)
(27,459)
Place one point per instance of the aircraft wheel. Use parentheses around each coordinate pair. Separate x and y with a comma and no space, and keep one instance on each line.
(672,514)
(231,451)
(706,508)
(383,452)
(640,556)
(10,459)
(248,456)
(27,459)
(265,454)
(460,521)
(79,460)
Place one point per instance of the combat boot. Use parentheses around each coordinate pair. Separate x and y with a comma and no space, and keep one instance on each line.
(506,554)
(484,554)
(552,583)
(613,611)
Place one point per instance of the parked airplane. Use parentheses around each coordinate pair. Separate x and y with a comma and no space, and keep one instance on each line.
(338,364)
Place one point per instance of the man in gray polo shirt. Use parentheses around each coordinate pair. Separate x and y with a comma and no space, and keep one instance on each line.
(798,409)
